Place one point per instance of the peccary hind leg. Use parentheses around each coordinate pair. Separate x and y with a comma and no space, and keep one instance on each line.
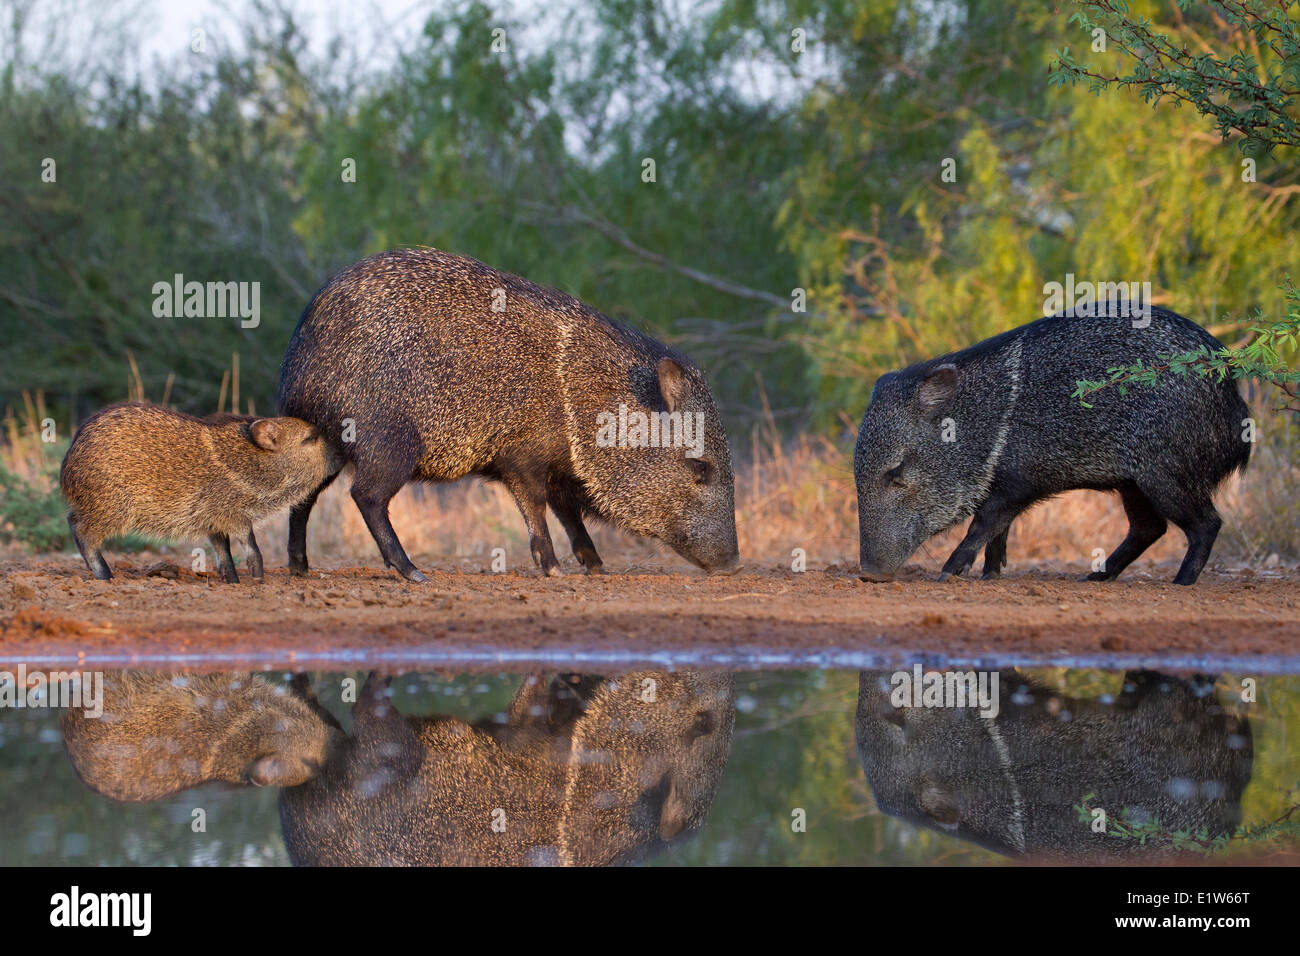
(1196,516)
(1201,524)
(298,516)
(93,557)
(373,504)
(1145,527)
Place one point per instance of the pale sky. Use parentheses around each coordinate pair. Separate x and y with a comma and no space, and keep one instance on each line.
(171,21)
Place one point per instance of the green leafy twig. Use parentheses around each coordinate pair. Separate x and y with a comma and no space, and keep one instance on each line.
(1261,359)
(1249,90)
(1121,827)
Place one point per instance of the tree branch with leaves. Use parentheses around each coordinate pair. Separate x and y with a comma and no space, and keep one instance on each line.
(1248,86)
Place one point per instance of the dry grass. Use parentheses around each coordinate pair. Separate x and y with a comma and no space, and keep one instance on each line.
(23,452)
(789,494)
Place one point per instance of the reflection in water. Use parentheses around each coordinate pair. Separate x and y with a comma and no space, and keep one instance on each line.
(1164,749)
(208,769)
(161,733)
(583,770)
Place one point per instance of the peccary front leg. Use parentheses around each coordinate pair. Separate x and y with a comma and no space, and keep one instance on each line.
(991,521)
(255,566)
(995,556)
(1145,526)
(298,516)
(530,496)
(93,557)
(225,563)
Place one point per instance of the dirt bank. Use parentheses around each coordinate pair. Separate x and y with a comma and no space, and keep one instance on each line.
(52,611)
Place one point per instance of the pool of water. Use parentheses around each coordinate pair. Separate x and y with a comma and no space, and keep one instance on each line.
(659,767)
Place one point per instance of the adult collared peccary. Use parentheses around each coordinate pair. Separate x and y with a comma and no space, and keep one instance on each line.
(162,733)
(1162,751)
(437,367)
(146,468)
(990,430)
(584,771)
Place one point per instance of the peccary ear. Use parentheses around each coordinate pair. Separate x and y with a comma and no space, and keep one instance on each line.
(265,434)
(939,804)
(939,387)
(673,385)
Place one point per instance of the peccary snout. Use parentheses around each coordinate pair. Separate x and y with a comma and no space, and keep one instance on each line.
(148,469)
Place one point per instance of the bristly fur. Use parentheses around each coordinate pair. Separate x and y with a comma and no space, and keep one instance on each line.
(1163,748)
(168,475)
(1017,436)
(445,368)
(589,774)
(161,733)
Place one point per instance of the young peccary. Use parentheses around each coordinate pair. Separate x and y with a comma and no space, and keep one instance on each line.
(162,733)
(422,365)
(146,468)
(992,429)
(1162,751)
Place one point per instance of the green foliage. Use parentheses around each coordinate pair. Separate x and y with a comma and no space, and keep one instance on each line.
(1048,180)
(1248,90)
(31,515)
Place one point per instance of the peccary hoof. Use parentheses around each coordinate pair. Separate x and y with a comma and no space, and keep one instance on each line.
(874,578)
(1097,576)
(415,575)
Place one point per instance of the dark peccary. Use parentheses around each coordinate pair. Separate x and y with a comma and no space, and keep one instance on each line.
(584,771)
(1019,437)
(1164,749)
(146,468)
(163,733)
(438,386)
